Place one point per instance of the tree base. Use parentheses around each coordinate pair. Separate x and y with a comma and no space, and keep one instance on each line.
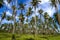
(13,37)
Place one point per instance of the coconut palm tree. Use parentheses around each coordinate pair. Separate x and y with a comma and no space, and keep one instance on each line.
(0,20)
(55,17)
(55,27)
(10,25)
(29,12)
(56,21)
(3,17)
(22,7)
(26,28)
(21,16)
(40,12)
(35,4)
(32,24)
(5,27)
(14,15)
(50,21)
(55,3)
(9,18)
(40,21)
(46,16)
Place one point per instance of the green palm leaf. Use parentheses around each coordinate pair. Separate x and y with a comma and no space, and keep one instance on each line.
(1,3)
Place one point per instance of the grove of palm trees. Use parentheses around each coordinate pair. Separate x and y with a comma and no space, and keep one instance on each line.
(29,20)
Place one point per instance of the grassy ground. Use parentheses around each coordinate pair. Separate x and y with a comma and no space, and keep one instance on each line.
(7,36)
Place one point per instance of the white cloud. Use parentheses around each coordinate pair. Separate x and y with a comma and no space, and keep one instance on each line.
(17,17)
(44,1)
(4,21)
(8,13)
(45,5)
(7,4)
(50,11)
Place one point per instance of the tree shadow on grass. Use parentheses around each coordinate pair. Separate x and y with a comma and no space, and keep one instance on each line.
(45,38)
(29,39)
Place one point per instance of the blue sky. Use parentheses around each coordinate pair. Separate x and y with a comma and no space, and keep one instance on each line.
(45,5)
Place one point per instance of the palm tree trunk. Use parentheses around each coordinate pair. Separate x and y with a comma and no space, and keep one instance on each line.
(35,23)
(57,3)
(0,24)
(13,33)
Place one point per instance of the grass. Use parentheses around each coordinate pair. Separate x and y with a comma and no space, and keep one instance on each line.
(7,36)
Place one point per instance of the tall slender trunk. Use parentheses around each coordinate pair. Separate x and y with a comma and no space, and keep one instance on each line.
(14,14)
(58,13)
(13,33)
(0,24)
(57,3)
(40,23)
(35,23)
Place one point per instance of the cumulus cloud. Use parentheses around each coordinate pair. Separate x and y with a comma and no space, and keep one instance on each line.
(44,1)
(8,13)
(45,5)
(7,4)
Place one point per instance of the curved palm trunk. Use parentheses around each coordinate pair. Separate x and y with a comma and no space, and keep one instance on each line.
(58,15)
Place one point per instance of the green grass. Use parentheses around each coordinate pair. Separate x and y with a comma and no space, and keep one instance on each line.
(7,36)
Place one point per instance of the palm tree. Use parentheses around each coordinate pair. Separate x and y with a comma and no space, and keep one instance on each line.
(40,21)
(0,20)
(28,14)
(9,18)
(21,16)
(55,27)
(10,25)
(26,28)
(35,4)
(22,7)
(50,25)
(56,20)
(16,27)
(32,24)
(46,16)
(55,3)
(3,17)
(40,12)
(14,15)
(5,25)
